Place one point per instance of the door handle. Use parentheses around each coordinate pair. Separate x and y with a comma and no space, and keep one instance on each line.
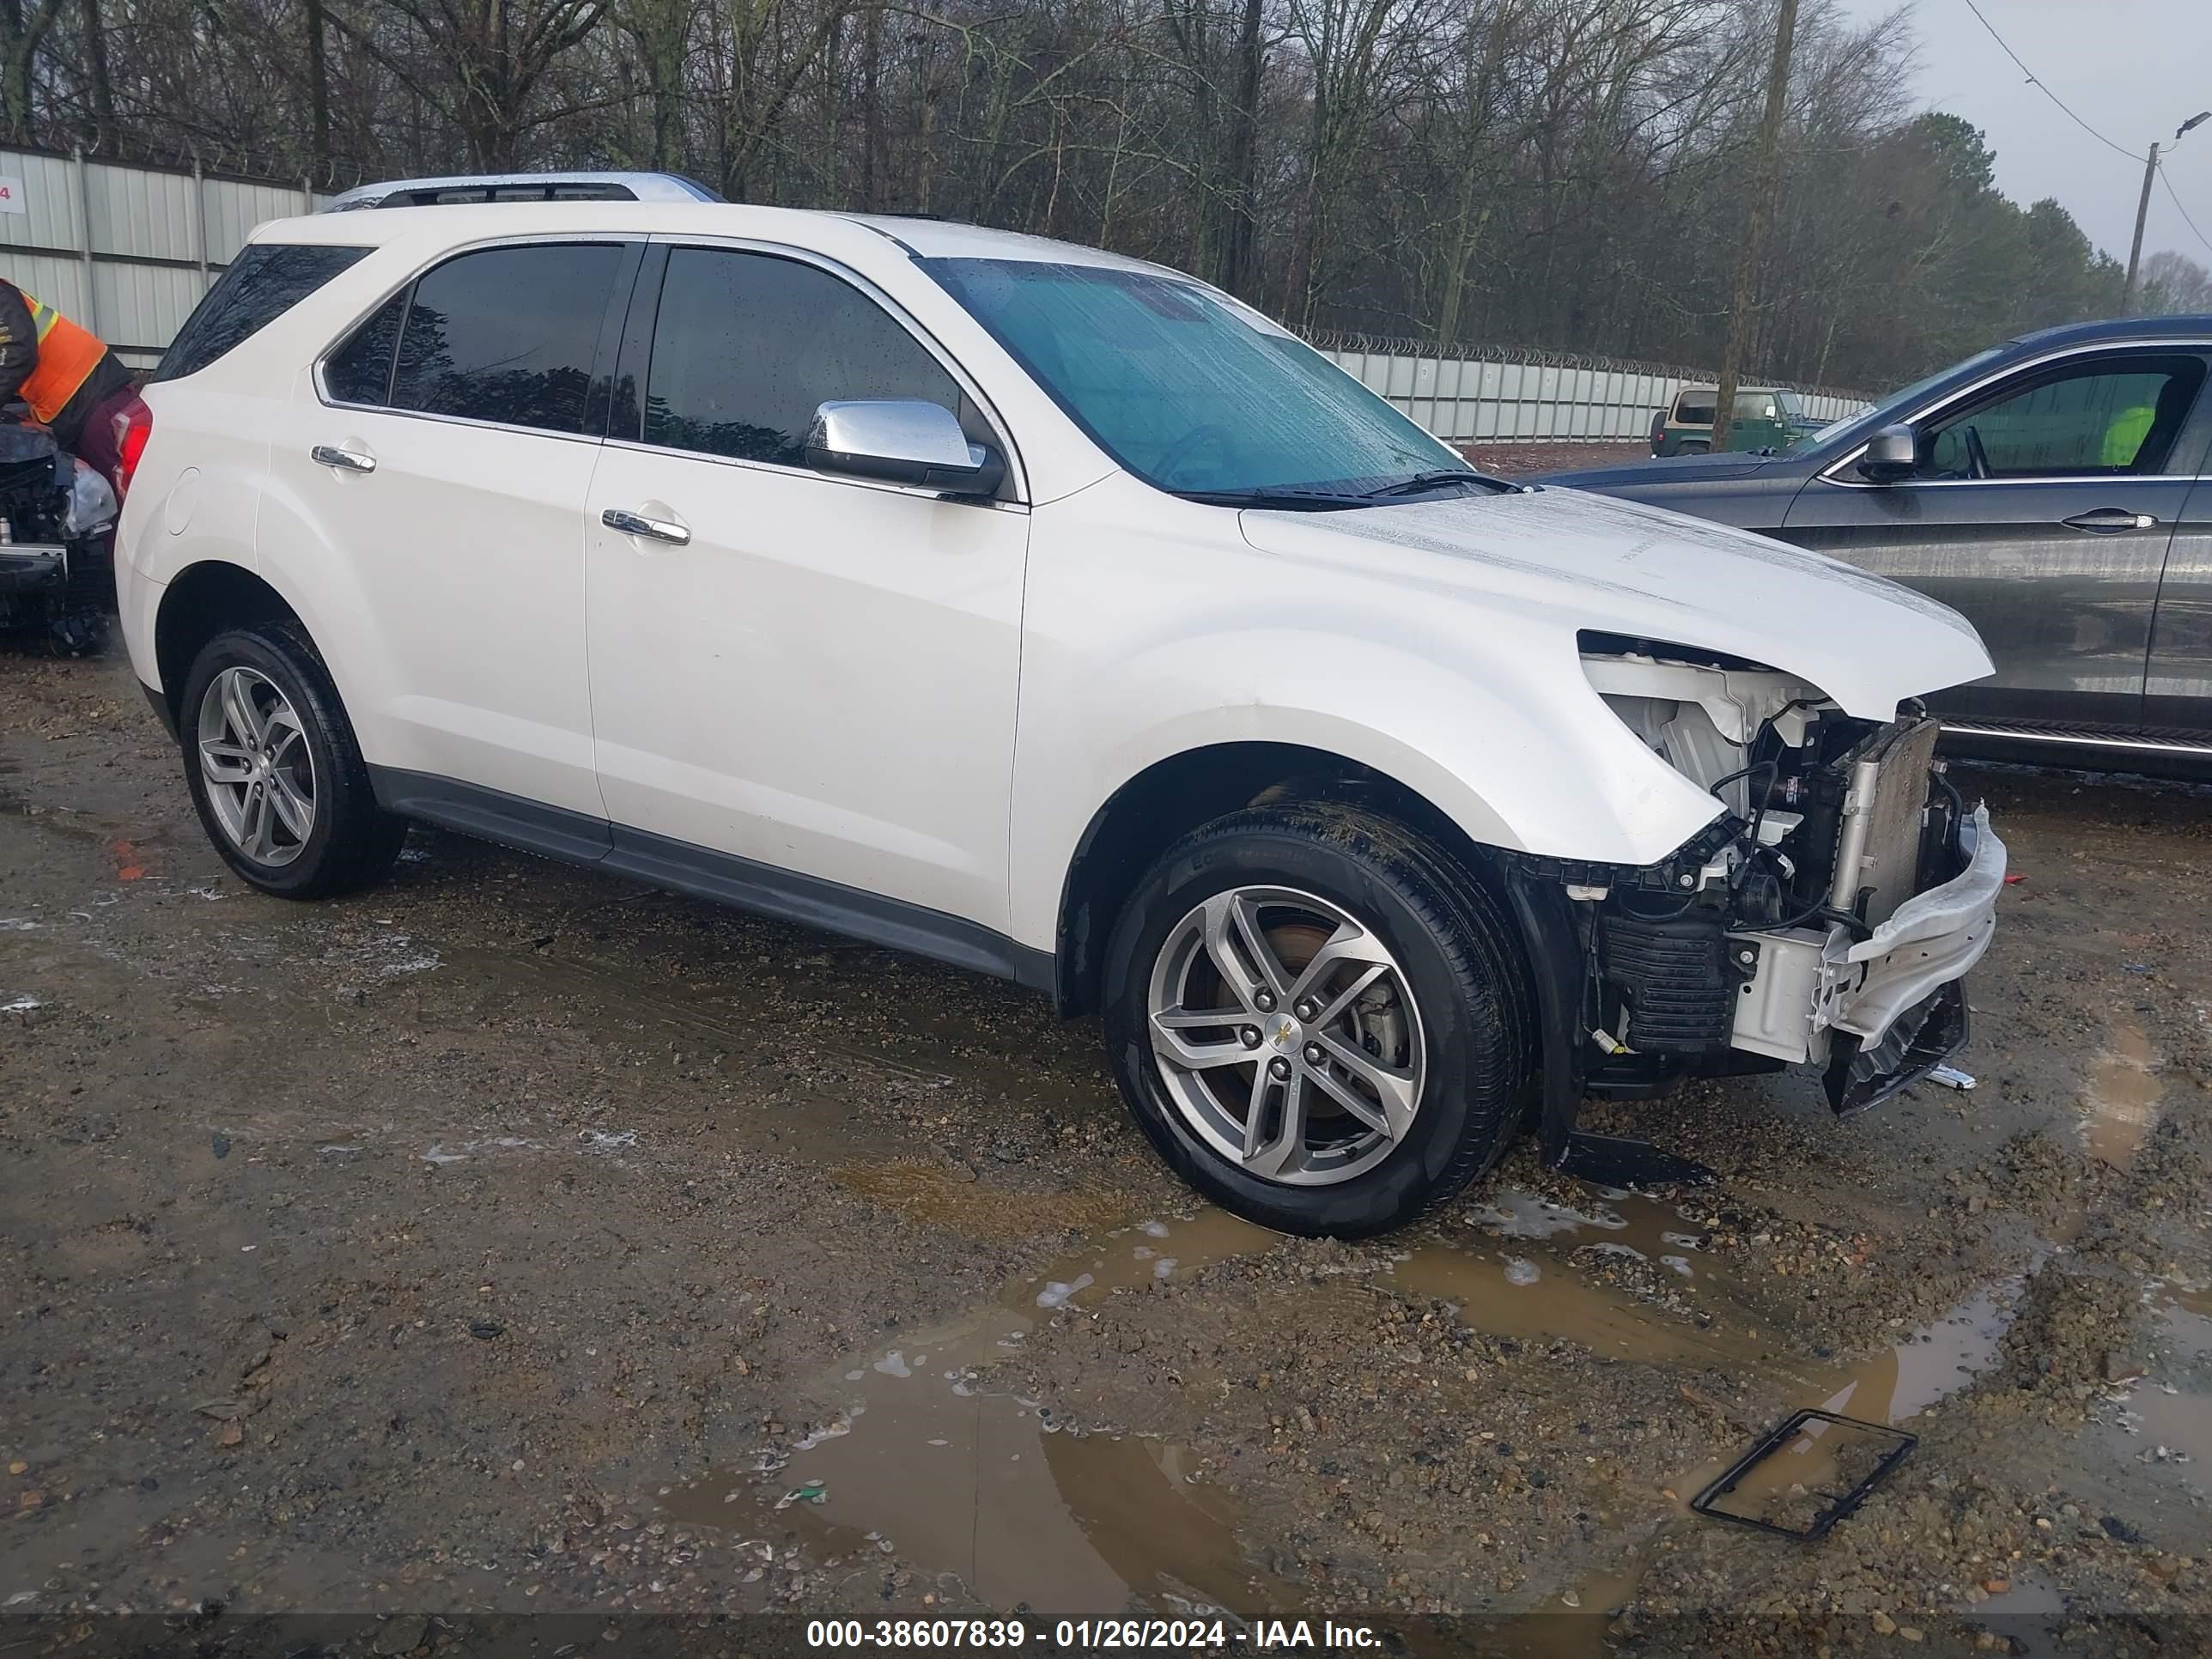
(637,523)
(342,460)
(2111,518)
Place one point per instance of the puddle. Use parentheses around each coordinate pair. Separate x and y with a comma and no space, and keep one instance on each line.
(2120,1104)
(1505,1293)
(927,1460)
(1538,1271)
(2167,1416)
(1936,1360)
(1825,1460)
(2029,1615)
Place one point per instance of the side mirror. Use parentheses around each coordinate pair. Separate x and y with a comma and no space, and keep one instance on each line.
(901,440)
(1893,454)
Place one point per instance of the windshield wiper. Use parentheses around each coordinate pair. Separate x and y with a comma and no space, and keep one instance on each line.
(1290,501)
(1435,477)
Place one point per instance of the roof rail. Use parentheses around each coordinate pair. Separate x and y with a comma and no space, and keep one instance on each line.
(523,188)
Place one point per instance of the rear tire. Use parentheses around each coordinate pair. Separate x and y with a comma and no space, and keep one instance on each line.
(1387,1024)
(275,771)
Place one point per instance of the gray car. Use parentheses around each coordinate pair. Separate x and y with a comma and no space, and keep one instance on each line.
(2054,489)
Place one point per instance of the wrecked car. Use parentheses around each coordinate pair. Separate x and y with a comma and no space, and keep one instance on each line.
(1059,616)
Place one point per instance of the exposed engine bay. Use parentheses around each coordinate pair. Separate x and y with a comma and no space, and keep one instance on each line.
(1823,916)
(56,519)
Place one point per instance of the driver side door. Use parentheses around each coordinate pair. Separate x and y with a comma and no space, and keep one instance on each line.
(2041,510)
(802,686)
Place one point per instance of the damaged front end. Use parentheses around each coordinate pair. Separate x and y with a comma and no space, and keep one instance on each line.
(1824,917)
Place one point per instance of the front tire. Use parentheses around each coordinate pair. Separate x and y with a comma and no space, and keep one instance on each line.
(274,768)
(1317,1018)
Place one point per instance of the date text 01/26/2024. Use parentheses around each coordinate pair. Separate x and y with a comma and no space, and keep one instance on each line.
(1088,1635)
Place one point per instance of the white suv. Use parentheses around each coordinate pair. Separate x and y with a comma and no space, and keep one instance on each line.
(1061,618)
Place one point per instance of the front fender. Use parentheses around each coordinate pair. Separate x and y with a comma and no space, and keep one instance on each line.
(1497,727)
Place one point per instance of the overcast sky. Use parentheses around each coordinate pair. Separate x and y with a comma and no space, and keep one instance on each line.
(2134,70)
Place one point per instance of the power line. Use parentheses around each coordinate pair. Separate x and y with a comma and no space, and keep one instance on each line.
(2183,211)
(2034,80)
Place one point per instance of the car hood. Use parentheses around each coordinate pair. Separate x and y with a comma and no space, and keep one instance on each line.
(1670,469)
(1577,561)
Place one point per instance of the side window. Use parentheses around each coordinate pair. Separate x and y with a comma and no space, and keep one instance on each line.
(746,346)
(1695,408)
(508,335)
(359,371)
(2113,417)
(265,281)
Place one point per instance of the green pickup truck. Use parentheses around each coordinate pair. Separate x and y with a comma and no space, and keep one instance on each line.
(1766,418)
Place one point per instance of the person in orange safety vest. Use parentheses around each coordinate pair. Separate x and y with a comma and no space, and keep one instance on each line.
(67,376)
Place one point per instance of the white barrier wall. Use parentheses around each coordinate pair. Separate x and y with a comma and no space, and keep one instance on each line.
(127,251)
(1466,399)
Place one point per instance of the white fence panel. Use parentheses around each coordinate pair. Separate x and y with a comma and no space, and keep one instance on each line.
(128,251)
(1514,399)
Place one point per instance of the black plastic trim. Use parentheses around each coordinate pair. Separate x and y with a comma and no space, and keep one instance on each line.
(1555,963)
(493,815)
(162,712)
(681,867)
(1861,1076)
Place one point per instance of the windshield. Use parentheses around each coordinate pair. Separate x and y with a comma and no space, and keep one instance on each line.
(1193,392)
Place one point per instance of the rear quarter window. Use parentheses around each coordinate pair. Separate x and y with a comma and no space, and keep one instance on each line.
(265,281)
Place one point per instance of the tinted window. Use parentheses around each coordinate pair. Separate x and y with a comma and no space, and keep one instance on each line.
(506,335)
(2097,417)
(359,371)
(746,346)
(265,281)
(1695,408)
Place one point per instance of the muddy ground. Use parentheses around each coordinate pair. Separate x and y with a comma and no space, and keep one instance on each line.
(514,1240)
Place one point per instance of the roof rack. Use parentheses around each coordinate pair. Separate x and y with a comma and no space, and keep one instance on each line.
(477,188)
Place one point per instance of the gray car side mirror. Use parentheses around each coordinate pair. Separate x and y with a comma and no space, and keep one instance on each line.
(906,441)
(1892,455)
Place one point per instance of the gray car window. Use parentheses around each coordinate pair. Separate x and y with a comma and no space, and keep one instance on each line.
(2106,417)
(747,345)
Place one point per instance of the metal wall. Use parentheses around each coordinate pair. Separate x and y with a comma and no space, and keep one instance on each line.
(127,251)
(1510,400)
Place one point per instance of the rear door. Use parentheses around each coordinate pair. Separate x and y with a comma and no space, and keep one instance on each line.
(436,475)
(2041,510)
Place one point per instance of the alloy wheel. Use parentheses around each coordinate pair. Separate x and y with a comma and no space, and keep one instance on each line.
(255,762)
(1286,1035)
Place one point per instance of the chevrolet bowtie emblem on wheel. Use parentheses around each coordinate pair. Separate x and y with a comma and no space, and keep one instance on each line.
(1284,1034)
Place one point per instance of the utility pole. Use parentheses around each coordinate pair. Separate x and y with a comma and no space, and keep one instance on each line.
(1765,179)
(2135,248)
(2143,205)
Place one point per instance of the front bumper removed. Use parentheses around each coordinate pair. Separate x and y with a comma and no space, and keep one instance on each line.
(1880,1012)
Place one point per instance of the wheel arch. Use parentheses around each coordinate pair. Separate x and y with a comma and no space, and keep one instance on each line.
(1175,794)
(202,601)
